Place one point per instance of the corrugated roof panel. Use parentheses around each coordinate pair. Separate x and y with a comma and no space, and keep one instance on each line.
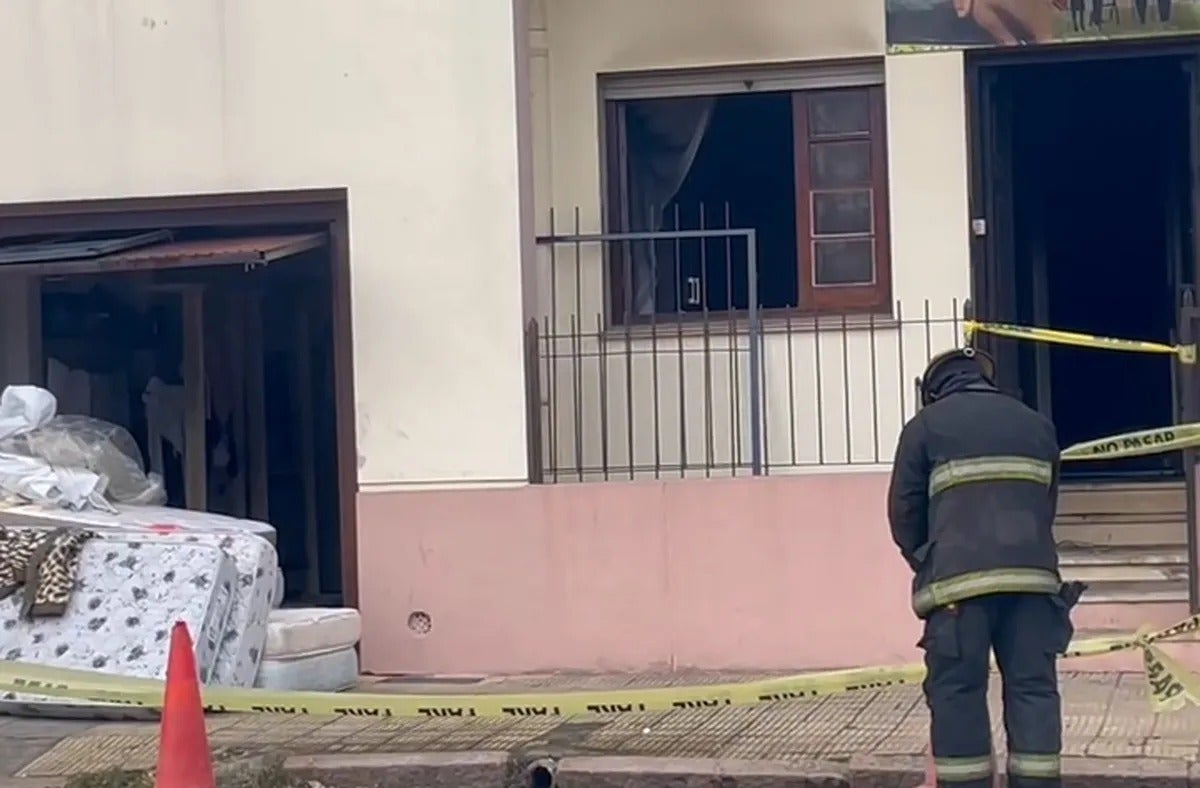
(249,250)
(212,251)
(47,251)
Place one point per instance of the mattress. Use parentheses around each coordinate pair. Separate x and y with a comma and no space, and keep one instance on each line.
(130,590)
(245,631)
(158,519)
(330,671)
(303,631)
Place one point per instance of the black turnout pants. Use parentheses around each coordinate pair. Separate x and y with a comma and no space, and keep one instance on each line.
(1026,632)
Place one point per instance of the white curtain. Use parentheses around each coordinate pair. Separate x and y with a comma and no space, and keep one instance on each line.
(662,138)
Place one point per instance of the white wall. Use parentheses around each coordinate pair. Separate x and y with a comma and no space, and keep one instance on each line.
(927,174)
(409,103)
(860,412)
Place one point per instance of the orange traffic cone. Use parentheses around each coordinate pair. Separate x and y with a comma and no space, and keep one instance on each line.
(184,760)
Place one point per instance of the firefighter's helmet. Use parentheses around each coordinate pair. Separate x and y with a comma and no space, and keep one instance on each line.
(984,362)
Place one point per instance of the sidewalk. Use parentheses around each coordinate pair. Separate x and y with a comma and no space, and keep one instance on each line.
(859,739)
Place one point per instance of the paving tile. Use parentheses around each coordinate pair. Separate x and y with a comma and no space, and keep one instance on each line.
(522,733)
(675,734)
(785,733)
(94,753)
(618,729)
(873,726)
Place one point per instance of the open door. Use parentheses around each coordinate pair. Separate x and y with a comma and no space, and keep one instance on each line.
(993,296)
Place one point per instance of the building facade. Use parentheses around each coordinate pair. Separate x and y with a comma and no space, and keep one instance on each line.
(578,447)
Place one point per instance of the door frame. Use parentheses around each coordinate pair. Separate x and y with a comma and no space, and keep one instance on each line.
(986,274)
(980,194)
(328,207)
(977,62)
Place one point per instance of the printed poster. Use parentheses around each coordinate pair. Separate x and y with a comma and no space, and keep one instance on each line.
(924,25)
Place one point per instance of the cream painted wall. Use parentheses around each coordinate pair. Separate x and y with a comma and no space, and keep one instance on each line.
(927,175)
(863,383)
(409,103)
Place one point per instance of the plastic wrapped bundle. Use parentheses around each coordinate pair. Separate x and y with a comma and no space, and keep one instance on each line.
(103,448)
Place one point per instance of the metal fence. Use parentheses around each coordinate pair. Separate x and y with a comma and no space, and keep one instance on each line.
(691,388)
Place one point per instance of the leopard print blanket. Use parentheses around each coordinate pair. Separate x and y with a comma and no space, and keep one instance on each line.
(44,564)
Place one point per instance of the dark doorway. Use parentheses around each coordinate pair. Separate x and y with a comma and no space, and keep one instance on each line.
(1097,196)
(125,318)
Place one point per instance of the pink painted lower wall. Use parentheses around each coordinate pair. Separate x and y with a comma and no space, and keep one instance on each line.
(793,572)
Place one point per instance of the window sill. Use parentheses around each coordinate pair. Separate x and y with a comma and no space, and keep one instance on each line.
(772,322)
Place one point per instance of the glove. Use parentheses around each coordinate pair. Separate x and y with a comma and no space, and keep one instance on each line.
(1071,592)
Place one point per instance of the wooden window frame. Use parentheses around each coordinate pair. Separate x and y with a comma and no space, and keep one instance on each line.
(848,298)
(799,80)
(615,217)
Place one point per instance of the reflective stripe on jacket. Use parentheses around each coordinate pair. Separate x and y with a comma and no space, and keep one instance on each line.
(940,593)
(989,469)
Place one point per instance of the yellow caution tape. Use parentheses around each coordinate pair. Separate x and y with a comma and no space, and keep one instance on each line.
(1136,444)
(1170,685)
(1185,353)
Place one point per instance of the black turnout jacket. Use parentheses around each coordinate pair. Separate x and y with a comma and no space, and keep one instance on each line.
(973,494)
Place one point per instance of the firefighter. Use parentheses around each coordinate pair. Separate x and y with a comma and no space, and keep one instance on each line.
(971,504)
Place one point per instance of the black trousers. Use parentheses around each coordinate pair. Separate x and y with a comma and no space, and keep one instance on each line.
(1078,19)
(1026,632)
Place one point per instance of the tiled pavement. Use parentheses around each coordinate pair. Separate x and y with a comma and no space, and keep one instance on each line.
(1106,720)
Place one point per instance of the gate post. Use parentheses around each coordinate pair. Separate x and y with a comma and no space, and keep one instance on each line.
(1189,411)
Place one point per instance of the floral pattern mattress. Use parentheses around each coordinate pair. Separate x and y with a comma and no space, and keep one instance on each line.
(241,642)
(155,519)
(129,591)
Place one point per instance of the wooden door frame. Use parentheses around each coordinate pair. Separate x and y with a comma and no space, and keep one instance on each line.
(231,210)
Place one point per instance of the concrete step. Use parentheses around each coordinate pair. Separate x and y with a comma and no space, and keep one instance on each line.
(1127,541)
(1169,554)
(1118,518)
(1121,533)
(1144,498)
(1097,575)
(1125,617)
(1128,574)
(1122,514)
(1135,591)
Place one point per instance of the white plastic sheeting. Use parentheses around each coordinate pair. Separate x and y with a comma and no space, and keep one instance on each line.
(72,462)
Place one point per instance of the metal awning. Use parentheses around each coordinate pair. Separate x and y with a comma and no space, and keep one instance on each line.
(246,250)
(58,249)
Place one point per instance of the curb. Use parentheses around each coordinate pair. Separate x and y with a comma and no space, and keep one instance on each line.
(858,772)
(1129,773)
(502,770)
(654,772)
(401,770)
(487,769)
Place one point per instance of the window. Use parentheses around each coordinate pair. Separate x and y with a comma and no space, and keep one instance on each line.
(805,168)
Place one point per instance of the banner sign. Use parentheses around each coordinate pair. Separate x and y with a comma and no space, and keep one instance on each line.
(930,25)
